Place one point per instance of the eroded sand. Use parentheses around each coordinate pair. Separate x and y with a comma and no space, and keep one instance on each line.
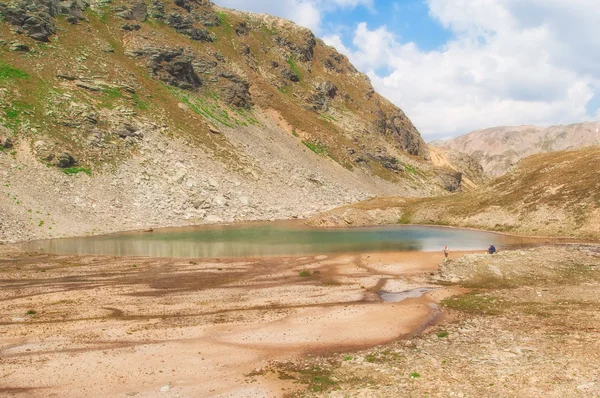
(106,326)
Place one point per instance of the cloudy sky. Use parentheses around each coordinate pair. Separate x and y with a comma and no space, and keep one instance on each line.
(458,65)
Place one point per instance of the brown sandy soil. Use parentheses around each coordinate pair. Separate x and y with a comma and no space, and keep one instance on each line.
(527,327)
(104,326)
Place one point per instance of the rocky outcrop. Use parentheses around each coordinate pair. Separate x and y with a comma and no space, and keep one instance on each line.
(35,18)
(325,92)
(289,75)
(302,45)
(173,67)
(237,93)
(396,125)
(136,11)
(242,29)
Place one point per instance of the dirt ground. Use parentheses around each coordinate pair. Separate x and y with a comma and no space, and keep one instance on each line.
(520,323)
(528,327)
(76,326)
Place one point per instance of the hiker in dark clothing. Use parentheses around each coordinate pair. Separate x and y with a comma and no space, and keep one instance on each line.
(492,249)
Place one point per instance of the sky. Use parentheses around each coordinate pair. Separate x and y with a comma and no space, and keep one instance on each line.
(455,66)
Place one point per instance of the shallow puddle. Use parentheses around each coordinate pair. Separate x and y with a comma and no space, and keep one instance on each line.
(391,297)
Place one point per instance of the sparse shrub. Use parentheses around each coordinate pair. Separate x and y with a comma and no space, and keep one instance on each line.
(304,274)
(76,170)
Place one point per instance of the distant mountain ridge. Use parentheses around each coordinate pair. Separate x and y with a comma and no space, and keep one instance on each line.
(498,149)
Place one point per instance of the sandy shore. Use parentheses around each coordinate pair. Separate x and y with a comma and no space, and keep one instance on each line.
(106,326)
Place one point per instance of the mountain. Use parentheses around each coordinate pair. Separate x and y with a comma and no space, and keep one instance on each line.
(498,149)
(549,194)
(122,115)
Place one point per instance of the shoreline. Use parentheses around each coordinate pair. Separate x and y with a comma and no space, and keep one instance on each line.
(302,224)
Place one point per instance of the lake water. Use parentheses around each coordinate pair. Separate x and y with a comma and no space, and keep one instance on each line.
(276,239)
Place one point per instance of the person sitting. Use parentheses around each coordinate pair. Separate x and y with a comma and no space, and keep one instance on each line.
(492,249)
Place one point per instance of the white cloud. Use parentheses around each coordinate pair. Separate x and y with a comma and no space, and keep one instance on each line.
(307,13)
(511,62)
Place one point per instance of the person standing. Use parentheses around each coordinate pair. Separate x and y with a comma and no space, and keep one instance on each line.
(446,253)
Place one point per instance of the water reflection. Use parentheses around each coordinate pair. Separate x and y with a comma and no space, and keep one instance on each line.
(276,240)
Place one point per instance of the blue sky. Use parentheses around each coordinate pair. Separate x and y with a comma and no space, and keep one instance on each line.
(455,66)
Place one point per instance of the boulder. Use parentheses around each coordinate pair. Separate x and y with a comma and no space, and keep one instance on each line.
(131,27)
(237,93)
(64,160)
(137,11)
(242,29)
(290,75)
(174,68)
(6,142)
(128,130)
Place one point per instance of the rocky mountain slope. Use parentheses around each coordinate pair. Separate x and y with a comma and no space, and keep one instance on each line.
(134,114)
(551,194)
(498,149)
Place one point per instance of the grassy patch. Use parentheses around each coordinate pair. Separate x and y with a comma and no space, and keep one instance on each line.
(476,303)
(110,94)
(415,375)
(31,312)
(405,219)
(7,72)
(210,109)
(139,103)
(76,170)
(304,274)
(291,61)
(410,169)
(294,133)
(224,21)
(316,148)
(328,117)
(442,335)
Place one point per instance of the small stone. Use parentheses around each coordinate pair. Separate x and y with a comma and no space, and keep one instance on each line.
(166,388)
(213,129)
(213,183)
(586,386)
(219,200)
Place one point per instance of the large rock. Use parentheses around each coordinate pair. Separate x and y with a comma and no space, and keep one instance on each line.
(242,29)
(64,160)
(325,92)
(237,93)
(290,75)
(174,68)
(137,11)
(6,142)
